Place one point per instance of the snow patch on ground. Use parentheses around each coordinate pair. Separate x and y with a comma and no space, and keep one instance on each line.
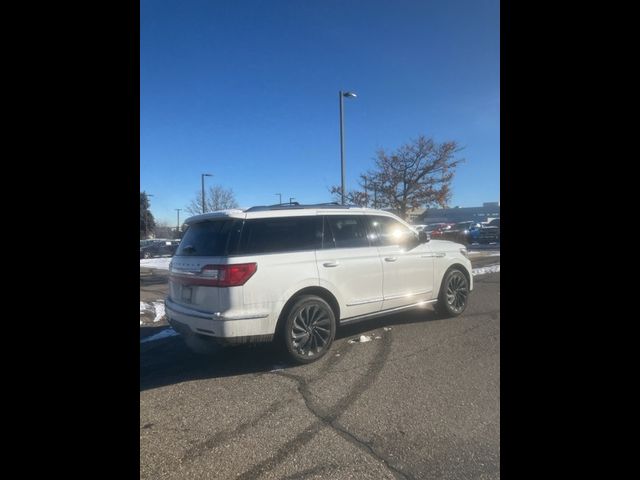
(155,308)
(278,368)
(157,263)
(483,270)
(361,339)
(159,309)
(169,332)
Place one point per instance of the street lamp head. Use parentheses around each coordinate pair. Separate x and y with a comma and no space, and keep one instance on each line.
(349,94)
(207,175)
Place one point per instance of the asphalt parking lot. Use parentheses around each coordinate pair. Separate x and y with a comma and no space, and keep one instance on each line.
(420,400)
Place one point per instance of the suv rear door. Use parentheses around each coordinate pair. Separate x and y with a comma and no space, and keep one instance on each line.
(350,265)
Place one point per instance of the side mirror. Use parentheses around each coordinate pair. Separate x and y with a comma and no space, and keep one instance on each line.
(423,237)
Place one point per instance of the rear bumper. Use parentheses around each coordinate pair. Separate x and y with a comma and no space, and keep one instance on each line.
(247,328)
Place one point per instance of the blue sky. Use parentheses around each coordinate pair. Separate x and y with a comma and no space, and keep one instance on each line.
(248,90)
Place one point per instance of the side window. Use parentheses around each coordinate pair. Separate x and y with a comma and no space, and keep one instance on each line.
(327,235)
(389,231)
(286,234)
(345,231)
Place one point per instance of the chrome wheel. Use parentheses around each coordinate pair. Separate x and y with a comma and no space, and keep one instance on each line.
(311,330)
(457,292)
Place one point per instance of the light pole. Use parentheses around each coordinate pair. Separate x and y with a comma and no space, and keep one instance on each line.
(178,222)
(280,198)
(341,95)
(291,199)
(202,177)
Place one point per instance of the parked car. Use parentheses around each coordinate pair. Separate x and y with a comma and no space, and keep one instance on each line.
(294,274)
(437,229)
(460,232)
(158,248)
(486,232)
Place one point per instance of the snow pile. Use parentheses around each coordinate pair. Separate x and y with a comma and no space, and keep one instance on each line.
(156,309)
(169,332)
(157,263)
(159,309)
(483,270)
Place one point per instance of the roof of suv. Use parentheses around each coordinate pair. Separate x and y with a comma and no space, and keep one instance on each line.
(285,210)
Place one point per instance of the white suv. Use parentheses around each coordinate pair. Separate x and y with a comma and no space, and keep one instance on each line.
(295,273)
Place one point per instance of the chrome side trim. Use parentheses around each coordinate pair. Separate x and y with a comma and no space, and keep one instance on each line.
(219,316)
(433,254)
(364,302)
(381,313)
(407,295)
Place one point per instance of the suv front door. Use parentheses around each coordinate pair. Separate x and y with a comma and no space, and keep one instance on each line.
(407,265)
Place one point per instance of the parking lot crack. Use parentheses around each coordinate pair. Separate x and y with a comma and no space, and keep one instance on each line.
(329,416)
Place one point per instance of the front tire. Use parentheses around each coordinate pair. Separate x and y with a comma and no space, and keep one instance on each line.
(309,329)
(454,294)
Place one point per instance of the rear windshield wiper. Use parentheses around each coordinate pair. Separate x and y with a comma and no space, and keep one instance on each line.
(188,249)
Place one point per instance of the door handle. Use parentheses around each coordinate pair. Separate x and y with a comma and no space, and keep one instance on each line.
(390,259)
(330,264)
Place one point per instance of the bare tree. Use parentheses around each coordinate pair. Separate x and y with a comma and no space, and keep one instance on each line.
(352,197)
(217,198)
(416,174)
(147,222)
(164,230)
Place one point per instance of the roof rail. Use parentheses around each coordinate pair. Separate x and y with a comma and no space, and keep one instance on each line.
(296,205)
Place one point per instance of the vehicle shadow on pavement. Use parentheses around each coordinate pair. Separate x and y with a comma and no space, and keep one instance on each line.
(169,361)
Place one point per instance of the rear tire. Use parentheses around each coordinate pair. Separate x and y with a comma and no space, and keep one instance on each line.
(454,294)
(147,255)
(309,329)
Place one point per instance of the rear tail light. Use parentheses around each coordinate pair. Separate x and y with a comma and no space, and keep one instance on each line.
(218,275)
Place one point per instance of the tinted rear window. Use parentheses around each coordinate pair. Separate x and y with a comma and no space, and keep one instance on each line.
(210,238)
(287,234)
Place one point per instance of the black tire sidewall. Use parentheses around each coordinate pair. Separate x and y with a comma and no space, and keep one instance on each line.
(442,306)
(288,325)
